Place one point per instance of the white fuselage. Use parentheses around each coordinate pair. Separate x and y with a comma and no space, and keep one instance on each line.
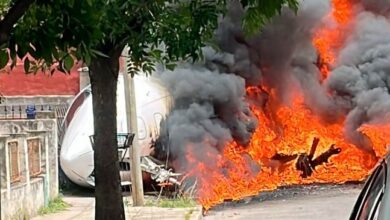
(76,157)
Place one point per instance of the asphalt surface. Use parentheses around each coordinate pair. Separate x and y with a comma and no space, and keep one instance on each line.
(319,202)
(311,202)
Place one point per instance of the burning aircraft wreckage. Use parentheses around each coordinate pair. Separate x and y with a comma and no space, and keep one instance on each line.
(305,101)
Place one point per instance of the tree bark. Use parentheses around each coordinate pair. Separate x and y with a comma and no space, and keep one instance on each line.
(108,194)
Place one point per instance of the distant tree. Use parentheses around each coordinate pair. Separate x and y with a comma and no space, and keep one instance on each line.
(55,33)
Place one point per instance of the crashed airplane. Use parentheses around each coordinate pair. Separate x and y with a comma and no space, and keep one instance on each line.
(76,151)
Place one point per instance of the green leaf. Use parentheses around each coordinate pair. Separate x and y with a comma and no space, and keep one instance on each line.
(71,3)
(87,58)
(22,51)
(56,54)
(99,53)
(68,63)
(3,58)
(26,65)
(260,12)
(13,63)
(170,66)
(156,54)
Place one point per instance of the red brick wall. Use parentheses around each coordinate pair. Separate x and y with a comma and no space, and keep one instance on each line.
(17,83)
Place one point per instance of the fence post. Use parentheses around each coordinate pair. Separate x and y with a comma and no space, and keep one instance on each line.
(47,166)
(26,162)
(7,170)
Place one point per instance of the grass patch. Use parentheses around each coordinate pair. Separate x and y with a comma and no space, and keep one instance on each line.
(55,205)
(181,202)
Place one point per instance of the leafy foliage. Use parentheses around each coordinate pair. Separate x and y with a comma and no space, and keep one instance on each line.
(3,7)
(172,32)
(60,31)
(259,12)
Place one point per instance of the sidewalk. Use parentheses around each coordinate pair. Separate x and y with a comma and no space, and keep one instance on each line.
(83,208)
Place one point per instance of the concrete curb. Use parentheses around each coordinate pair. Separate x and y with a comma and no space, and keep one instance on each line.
(198,215)
(83,209)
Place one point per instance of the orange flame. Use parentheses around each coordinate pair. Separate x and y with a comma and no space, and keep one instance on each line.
(290,130)
(328,40)
(379,136)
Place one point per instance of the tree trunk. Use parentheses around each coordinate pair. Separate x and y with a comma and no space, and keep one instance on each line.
(108,194)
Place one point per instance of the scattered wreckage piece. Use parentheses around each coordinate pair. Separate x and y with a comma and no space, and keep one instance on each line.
(158,171)
(306,163)
(150,165)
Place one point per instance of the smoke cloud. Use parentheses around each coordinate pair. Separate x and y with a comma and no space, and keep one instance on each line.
(209,110)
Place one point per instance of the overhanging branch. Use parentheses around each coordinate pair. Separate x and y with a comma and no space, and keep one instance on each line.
(17,10)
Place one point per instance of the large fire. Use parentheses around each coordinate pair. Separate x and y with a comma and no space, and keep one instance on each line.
(289,131)
(268,161)
(329,39)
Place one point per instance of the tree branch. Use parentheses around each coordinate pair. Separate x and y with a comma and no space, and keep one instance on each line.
(17,10)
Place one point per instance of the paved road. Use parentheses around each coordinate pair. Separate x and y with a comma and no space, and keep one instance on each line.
(303,203)
(314,202)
